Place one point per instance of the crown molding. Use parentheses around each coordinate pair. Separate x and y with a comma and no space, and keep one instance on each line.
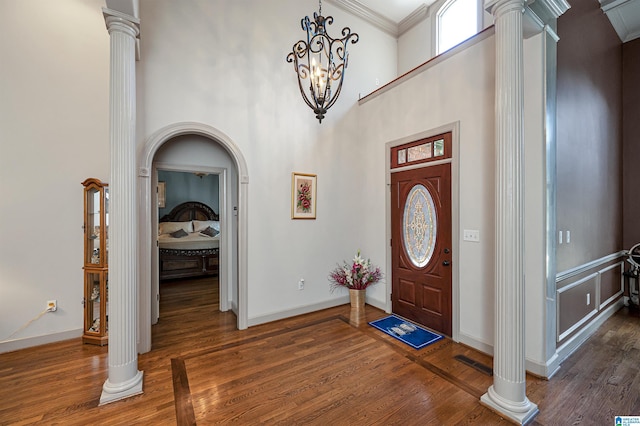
(542,15)
(360,10)
(554,8)
(607,5)
(417,16)
(624,16)
(380,21)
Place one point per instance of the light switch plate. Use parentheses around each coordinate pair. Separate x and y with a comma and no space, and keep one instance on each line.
(471,235)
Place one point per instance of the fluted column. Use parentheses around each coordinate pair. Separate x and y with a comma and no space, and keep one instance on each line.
(124,378)
(507,394)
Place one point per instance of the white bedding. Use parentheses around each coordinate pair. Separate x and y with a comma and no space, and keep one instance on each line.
(193,241)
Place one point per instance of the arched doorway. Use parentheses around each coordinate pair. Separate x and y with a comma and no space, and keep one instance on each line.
(146,222)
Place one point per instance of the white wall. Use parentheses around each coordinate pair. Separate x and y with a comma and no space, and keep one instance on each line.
(535,204)
(416,46)
(215,62)
(461,89)
(54,98)
(223,64)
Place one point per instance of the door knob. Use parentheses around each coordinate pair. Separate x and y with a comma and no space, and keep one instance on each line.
(446,263)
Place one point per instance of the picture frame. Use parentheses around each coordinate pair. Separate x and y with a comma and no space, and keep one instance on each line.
(162,195)
(303,195)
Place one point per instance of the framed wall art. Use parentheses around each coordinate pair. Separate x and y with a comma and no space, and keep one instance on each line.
(303,196)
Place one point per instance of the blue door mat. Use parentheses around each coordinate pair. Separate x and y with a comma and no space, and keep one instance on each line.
(405,331)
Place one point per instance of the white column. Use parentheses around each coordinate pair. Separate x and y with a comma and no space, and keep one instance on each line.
(124,378)
(507,394)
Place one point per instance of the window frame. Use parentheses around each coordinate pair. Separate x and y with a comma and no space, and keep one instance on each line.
(442,7)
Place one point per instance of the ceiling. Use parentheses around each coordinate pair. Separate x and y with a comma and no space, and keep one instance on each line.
(397,16)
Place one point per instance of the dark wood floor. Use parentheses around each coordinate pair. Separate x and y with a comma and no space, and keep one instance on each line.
(327,368)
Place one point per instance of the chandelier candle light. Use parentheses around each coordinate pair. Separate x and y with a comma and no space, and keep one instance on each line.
(320,62)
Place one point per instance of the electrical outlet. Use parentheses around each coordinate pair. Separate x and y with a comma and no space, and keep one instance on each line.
(52,305)
(301,284)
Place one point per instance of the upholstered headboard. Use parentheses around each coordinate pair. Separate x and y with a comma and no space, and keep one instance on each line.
(191,210)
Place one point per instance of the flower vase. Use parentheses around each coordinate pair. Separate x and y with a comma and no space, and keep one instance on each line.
(357,299)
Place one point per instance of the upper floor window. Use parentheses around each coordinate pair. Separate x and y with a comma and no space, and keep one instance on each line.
(457,21)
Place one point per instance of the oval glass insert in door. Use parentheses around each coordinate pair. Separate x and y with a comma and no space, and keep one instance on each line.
(419,226)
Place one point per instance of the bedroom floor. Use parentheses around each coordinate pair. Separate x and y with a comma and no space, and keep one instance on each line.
(323,368)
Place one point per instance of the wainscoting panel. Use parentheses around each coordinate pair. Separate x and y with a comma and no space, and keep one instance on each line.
(611,283)
(576,304)
(584,292)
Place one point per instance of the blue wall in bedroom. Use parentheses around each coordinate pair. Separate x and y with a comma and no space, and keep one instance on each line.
(186,186)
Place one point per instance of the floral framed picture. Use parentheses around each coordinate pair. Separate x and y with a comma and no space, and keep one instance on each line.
(303,196)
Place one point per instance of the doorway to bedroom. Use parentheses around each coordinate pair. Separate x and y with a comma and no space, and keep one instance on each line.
(195,232)
(188,243)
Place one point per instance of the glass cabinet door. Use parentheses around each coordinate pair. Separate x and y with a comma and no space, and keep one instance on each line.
(96,321)
(92,307)
(93,226)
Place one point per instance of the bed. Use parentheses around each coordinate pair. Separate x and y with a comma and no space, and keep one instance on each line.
(188,241)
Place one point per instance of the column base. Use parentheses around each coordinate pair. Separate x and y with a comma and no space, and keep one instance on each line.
(521,413)
(116,392)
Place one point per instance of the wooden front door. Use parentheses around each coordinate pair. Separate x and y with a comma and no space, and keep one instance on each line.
(421,246)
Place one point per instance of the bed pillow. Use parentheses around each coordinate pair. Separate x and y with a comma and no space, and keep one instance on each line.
(201,225)
(210,232)
(169,227)
(179,233)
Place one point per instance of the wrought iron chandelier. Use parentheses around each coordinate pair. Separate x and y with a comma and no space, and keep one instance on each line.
(320,62)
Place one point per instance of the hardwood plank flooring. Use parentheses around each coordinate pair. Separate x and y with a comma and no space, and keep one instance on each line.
(327,367)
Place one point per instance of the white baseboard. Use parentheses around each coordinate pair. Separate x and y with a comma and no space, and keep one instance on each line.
(546,370)
(377,304)
(298,311)
(479,345)
(533,367)
(28,342)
